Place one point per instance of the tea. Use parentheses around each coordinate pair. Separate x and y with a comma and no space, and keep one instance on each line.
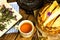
(26,27)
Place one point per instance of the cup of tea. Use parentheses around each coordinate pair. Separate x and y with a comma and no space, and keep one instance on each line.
(26,28)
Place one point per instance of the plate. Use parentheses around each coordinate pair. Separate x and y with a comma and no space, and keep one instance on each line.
(11,22)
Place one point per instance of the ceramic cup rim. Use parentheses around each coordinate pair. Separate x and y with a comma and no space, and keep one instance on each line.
(26,21)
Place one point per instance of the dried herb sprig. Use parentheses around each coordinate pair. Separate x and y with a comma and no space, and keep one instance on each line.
(6,15)
(2,27)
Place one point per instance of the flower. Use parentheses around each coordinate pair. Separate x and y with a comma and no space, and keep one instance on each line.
(49,13)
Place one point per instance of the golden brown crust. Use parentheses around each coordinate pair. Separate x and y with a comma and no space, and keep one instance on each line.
(48,29)
(50,9)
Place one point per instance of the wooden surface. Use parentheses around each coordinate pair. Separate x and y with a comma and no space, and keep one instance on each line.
(17,36)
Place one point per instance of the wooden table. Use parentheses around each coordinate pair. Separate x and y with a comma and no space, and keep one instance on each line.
(17,36)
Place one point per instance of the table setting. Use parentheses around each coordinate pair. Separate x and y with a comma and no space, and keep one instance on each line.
(30,20)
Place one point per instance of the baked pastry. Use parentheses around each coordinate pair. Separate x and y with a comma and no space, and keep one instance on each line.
(49,10)
(49,19)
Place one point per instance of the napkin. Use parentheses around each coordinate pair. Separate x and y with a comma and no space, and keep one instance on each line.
(16,7)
